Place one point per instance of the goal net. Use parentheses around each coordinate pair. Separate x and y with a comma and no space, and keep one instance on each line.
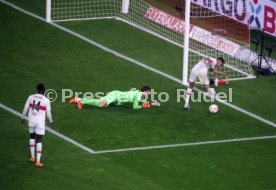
(211,32)
(66,10)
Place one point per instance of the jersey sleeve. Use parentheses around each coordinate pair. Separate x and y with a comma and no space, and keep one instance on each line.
(48,111)
(26,108)
(213,63)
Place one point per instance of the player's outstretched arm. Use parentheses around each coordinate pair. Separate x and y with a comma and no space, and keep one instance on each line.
(144,105)
(219,72)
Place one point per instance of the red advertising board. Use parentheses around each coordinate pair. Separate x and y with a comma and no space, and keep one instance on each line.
(166,20)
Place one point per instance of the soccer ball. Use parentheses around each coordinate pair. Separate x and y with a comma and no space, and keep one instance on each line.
(213,108)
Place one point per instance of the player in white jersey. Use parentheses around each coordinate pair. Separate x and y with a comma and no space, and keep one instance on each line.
(37,106)
(200,71)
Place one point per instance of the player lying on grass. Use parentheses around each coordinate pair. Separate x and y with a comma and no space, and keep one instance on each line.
(138,98)
(200,71)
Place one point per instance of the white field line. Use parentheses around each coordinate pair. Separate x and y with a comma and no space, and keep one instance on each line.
(187,144)
(140,148)
(85,19)
(51,131)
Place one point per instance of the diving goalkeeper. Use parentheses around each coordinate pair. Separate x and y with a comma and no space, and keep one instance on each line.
(138,98)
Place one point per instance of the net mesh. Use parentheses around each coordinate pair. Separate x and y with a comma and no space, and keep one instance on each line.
(63,10)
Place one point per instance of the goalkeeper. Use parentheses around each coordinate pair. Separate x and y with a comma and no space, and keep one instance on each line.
(138,98)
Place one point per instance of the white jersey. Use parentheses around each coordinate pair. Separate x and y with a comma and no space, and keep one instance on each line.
(203,66)
(38,106)
(200,71)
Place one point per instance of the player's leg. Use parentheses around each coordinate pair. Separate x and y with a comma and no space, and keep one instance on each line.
(38,150)
(88,101)
(188,95)
(108,99)
(91,102)
(40,132)
(32,146)
(192,80)
(206,87)
(32,142)
(102,102)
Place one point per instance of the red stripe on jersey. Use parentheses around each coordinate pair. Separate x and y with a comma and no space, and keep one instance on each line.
(38,151)
(43,108)
(39,97)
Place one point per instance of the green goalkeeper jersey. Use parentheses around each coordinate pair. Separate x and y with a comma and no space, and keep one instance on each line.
(120,98)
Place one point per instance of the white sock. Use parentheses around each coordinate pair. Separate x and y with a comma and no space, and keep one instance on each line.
(188,95)
(38,151)
(212,92)
(32,147)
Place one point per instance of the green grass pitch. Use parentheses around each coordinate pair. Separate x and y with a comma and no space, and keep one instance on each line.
(32,51)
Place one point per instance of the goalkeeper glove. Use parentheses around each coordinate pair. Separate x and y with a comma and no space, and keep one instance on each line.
(145,105)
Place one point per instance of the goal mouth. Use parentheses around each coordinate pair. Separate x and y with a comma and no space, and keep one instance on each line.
(211,33)
(219,31)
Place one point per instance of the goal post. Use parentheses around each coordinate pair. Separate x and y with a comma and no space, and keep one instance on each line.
(186,43)
(125,6)
(48,11)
